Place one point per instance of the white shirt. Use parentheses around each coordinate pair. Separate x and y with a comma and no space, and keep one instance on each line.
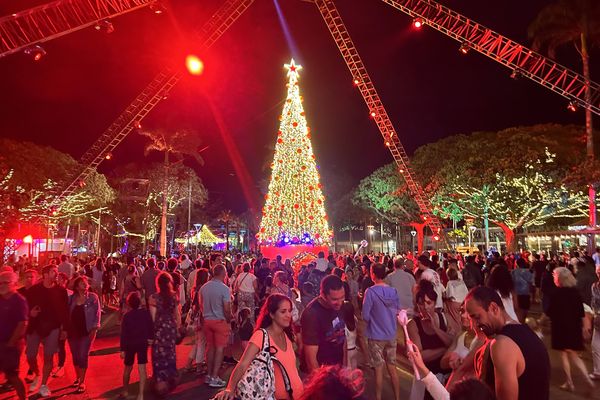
(433,277)
(185,264)
(457,290)
(245,282)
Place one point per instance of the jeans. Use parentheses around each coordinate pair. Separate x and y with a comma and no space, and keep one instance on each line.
(80,349)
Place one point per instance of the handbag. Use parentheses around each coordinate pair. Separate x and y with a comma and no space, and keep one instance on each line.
(235,292)
(258,381)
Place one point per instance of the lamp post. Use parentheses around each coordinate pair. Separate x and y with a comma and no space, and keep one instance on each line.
(472,230)
(413,233)
(197,228)
(371,229)
(29,240)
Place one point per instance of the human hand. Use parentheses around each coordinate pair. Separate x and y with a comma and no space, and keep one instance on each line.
(454,360)
(35,311)
(414,355)
(226,394)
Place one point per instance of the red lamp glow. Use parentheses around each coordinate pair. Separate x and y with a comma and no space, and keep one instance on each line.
(28,239)
(418,22)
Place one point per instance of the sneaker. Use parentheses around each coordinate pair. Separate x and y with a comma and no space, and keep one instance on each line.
(44,391)
(217,383)
(208,379)
(34,383)
(76,383)
(58,372)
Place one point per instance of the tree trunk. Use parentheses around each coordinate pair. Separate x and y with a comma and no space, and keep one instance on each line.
(589,135)
(163,217)
(509,236)
(420,228)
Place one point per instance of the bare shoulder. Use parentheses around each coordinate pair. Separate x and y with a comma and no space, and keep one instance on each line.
(504,348)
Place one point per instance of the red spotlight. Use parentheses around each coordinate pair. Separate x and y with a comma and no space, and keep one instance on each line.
(572,106)
(418,22)
(194,65)
(373,114)
(108,155)
(356,82)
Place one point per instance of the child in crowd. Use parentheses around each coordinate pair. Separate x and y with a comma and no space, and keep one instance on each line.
(245,326)
(137,333)
(351,333)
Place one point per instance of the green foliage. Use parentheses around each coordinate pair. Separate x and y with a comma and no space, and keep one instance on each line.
(384,193)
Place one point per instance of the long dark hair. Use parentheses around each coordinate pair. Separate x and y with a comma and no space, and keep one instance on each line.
(270,307)
(201,278)
(501,280)
(164,286)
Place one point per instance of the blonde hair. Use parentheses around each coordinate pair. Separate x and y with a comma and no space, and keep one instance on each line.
(564,277)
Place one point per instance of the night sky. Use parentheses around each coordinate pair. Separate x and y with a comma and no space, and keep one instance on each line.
(430,90)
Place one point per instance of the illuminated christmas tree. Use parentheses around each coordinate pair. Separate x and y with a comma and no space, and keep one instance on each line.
(294,211)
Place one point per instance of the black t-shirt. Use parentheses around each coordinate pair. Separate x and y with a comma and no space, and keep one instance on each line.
(53,304)
(324,327)
(13,310)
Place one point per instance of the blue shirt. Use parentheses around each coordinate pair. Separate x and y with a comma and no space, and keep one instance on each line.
(380,307)
(214,294)
(522,278)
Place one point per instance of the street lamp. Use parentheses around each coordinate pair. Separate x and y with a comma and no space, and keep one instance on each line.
(413,233)
(29,240)
(472,230)
(197,228)
(371,229)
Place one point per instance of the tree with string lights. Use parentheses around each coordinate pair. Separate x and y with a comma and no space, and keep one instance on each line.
(294,210)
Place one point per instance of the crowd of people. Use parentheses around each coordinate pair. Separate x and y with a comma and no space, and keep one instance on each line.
(468,333)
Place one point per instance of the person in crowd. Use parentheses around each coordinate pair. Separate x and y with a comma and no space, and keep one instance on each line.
(48,314)
(276,319)
(455,294)
(538,267)
(380,307)
(185,264)
(149,279)
(84,322)
(468,389)
(523,280)
(137,333)
(585,278)
(215,306)
(192,279)
(66,267)
(280,285)
(245,287)
(351,325)
(323,333)
(334,382)
(595,375)
(97,278)
(167,321)
(566,313)
(198,350)
(59,370)
(430,332)
(501,281)
(472,273)
(287,268)
(514,363)
(427,272)
(131,283)
(14,314)
(245,326)
(460,355)
(178,279)
(339,272)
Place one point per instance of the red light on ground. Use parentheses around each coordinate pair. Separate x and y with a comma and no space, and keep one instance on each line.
(418,22)
(194,65)
(28,239)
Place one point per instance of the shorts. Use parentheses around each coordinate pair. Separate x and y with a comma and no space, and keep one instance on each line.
(50,343)
(382,352)
(140,354)
(524,301)
(217,332)
(11,356)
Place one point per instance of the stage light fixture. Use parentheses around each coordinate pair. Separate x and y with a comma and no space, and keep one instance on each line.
(105,26)
(36,52)
(418,22)
(572,106)
(516,74)
(158,7)
(464,47)
(108,156)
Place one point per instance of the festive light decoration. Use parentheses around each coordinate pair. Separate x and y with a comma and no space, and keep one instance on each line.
(294,211)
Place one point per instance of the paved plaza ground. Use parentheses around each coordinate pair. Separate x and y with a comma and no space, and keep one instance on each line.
(104,374)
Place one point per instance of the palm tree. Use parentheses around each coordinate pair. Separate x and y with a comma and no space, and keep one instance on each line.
(226,217)
(179,143)
(576,22)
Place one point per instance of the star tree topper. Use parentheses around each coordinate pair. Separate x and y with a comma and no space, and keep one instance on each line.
(293,69)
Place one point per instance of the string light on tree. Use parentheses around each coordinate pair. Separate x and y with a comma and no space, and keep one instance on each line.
(294,211)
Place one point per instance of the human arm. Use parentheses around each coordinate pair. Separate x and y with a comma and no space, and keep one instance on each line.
(310,339)
(237,373)
(367,305)
(310,354)
(432,384)
(505,353)
(152,307)
(451,360)
(445,336)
